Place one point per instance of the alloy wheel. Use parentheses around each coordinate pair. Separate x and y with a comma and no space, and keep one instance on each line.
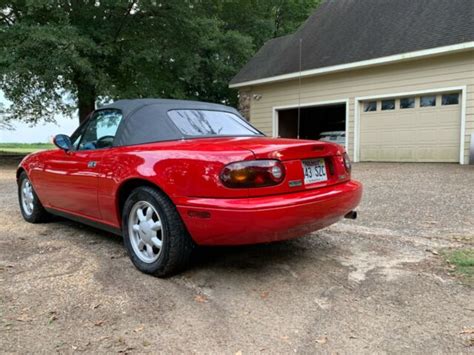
(145,231)
(27,197)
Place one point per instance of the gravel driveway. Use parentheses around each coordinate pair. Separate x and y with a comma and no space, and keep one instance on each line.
(364,286)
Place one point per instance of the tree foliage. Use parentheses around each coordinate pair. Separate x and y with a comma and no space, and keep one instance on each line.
(58,56)
(4,123)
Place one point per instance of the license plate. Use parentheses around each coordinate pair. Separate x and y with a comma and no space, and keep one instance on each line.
(314,171)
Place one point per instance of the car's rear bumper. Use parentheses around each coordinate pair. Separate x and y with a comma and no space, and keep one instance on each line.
(269,218)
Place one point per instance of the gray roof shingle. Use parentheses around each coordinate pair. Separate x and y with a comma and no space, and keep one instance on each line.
(347,31)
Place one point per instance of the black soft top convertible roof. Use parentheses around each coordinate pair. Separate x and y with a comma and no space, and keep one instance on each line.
(146,120)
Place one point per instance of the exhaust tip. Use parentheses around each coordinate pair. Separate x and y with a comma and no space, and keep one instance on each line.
(351,215)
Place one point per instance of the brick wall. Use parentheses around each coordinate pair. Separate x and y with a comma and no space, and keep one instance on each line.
(244,103)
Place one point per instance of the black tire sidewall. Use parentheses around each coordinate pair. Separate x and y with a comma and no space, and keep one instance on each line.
(38,210)
(144,194)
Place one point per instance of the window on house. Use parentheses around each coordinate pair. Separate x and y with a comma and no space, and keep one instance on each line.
(407,102)
(450,99)
(427,101)
(370,106)
(388,105)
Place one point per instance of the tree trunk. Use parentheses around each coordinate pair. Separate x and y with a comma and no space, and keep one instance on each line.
(85,99)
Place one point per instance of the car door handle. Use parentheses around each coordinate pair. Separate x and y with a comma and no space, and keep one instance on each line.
(91,164)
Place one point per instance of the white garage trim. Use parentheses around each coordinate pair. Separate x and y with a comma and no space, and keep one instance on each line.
(358,100)
(275,110)
(361,64)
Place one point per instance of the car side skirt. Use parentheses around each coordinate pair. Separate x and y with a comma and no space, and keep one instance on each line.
(83,220)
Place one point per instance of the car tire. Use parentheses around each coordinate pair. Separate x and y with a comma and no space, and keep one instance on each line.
(155,238)
(30,206)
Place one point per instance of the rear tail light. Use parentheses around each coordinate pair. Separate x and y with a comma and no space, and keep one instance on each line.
(254,173)
(347,163)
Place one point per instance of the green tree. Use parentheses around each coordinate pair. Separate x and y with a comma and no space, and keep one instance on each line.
(265,19)
(4,124)
(58,56)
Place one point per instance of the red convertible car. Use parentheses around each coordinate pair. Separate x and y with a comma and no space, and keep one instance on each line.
(170,174)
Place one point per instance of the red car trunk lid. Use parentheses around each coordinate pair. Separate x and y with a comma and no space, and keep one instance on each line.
(294,153)
(289,149)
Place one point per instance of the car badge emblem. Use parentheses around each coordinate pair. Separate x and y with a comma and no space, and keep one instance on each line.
(295,183)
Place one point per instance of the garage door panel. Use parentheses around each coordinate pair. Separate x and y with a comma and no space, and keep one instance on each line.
(403,154)
(369,154)
(448,135)
(421,134)
(410,154)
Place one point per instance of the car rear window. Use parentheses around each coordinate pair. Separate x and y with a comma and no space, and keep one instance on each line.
(211,123)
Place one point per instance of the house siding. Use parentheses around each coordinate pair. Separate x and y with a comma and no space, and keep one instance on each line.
(454,70)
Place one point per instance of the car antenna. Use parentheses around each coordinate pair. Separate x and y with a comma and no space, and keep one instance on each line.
(299,93)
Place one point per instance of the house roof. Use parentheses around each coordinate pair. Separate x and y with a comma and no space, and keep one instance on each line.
(348,31)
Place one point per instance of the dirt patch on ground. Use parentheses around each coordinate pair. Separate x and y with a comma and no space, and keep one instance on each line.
(371,285)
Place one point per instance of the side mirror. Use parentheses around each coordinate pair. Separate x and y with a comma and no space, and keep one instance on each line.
(63,142)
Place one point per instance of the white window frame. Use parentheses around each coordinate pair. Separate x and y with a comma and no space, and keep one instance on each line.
(358,100)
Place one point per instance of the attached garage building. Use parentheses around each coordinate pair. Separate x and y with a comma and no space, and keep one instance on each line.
(395,76)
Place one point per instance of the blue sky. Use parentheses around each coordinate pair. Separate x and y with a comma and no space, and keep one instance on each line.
(41,133)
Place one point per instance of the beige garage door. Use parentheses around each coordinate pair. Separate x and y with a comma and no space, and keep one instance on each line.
(422,128)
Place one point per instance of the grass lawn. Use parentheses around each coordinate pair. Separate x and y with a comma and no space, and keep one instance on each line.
(463,261)
(23,148)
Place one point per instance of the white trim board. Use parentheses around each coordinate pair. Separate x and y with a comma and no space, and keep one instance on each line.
(275,110)
(361,64)
(358,100)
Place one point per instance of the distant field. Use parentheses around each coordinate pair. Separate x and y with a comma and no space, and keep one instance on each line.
(23,148)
